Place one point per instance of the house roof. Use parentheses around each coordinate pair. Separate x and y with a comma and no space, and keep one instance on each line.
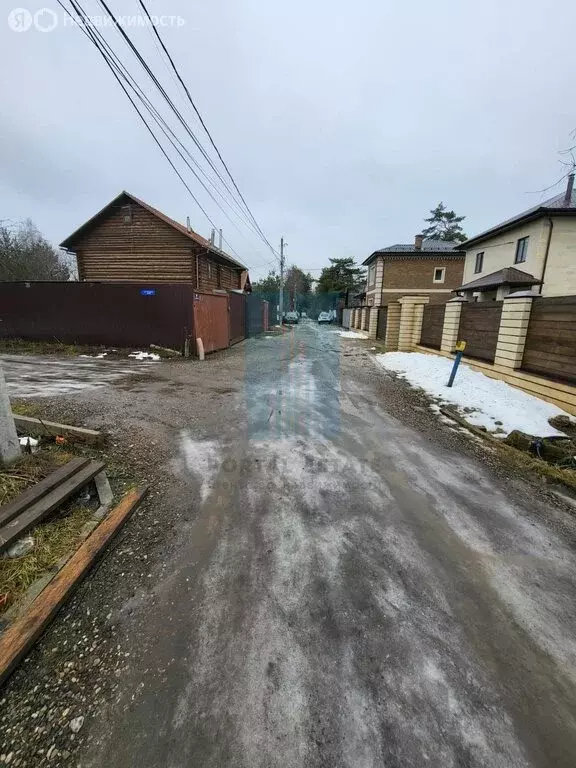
(557,205)
(69,242)
(506,276)
(429,248)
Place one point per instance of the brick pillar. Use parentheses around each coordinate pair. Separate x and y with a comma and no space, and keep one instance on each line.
(451,324)
(412,308)
(513,329)
(373,324)
(362,318)
(392,326)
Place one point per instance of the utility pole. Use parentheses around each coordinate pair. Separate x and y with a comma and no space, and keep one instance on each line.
(281,299)
(9,443)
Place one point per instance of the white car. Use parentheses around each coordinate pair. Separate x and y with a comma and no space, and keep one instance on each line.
(324,317)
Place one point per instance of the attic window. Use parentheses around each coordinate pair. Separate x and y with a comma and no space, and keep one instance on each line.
(439,273)
(127,215)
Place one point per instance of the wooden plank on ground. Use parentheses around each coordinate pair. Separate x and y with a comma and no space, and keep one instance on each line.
(40,489)
(35,426)
(21,636)
(31,516)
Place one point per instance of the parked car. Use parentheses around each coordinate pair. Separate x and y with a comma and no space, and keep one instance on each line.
(291,318)
(324,317)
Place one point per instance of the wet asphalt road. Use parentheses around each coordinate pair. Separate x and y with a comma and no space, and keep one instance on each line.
(342,591)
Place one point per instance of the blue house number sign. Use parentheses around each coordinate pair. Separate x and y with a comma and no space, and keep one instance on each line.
(148,291)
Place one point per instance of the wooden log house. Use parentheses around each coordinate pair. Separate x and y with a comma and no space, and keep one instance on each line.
(130,241)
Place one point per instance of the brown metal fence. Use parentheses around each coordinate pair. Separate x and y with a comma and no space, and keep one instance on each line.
(479,324)
(237,307)
(119,314)
(432,325)
(382,319)
(211,320)
(551,339)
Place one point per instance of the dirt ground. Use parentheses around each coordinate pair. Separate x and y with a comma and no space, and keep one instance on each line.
(325,574)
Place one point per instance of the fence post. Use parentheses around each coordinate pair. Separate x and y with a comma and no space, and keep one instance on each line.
(513,329)
(451,324)
(392,326)
(9,443)
(412,309)
(373,324)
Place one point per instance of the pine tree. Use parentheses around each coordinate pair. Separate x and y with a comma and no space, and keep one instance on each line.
(341,275)
(444,225)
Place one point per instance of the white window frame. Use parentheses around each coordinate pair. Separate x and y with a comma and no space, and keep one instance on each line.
(371,275)
(443,278)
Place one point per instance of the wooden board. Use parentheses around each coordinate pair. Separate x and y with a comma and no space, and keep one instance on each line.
(32,426)
(382,322)
(21,636)
(479,325)
(36,492)
(35,513)
(432,325)
(550,348)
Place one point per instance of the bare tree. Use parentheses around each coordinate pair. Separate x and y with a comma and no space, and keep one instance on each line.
(26,255)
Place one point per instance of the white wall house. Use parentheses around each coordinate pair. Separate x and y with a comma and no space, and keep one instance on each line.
(535,250)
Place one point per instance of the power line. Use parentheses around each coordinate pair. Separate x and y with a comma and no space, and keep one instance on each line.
(166,97)
(177,73)
(120,71)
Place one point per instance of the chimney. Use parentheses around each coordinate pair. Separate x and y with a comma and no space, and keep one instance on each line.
(188,227)
(220,239)
(418,242)
(212,237)
(569,188)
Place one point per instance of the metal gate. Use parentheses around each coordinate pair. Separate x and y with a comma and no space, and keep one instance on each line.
(254,314)
(211,320)
(382,319)
(237,304)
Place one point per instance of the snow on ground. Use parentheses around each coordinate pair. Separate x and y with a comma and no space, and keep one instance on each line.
(492,400)
(351,334)
(145,356)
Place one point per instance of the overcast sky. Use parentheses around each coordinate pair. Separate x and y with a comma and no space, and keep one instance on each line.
(343,122)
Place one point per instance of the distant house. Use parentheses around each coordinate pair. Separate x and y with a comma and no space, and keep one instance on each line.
(427,267)
(130,241)
(535,250)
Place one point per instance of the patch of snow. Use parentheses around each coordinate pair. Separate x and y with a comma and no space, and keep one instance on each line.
(203,459)
(351,335)
(145,356)
(491,400)
(99,356)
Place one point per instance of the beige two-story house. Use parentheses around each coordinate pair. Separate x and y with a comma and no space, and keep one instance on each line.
(432,268)
(535,250)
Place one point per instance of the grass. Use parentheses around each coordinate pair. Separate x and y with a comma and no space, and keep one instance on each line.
(29,469)
(52,541)
(53,538)
(21,346)
(25,408)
